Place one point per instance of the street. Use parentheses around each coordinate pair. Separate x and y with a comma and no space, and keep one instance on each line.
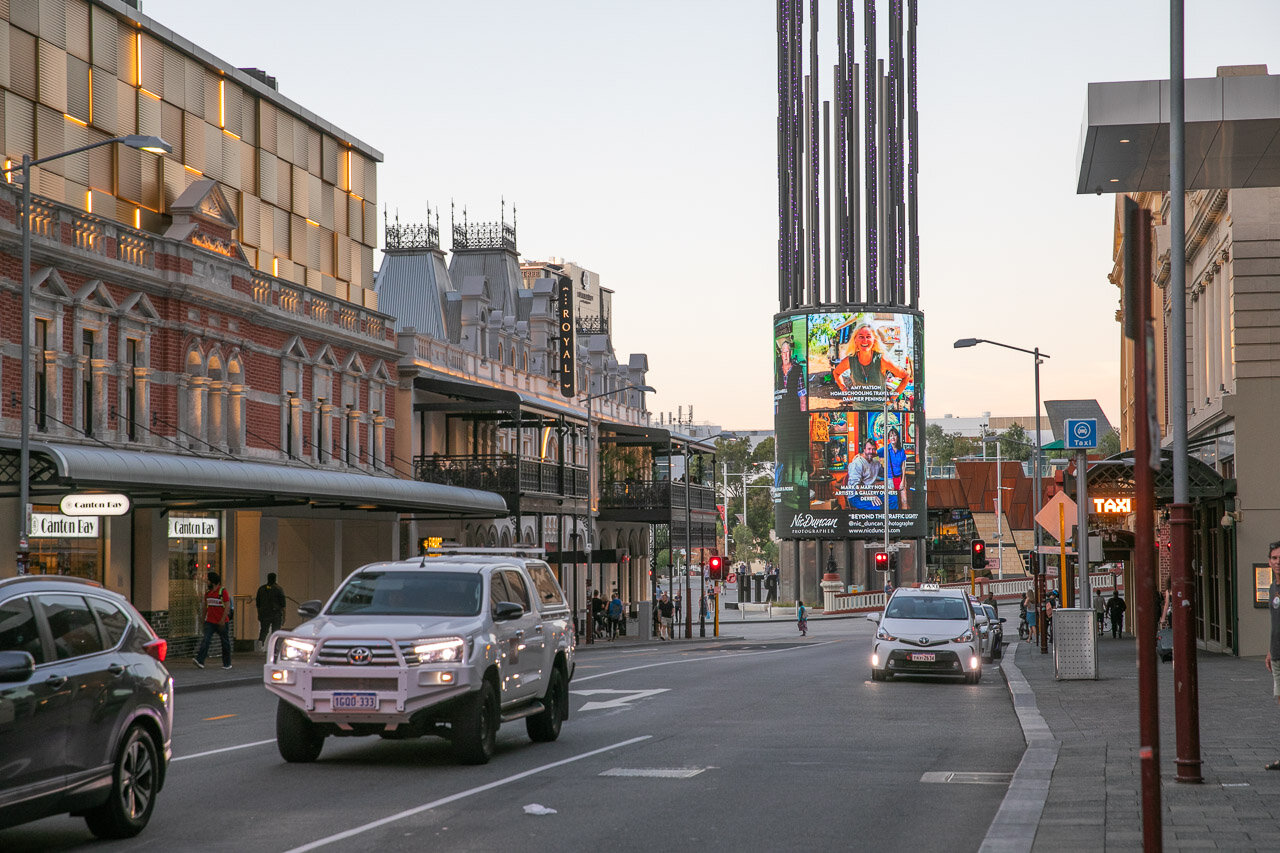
(767,742)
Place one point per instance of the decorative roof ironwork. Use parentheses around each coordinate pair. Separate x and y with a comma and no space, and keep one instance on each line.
(412,235)
(592,326)
(479,236)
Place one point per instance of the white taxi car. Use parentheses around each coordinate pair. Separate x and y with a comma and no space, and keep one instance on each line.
(927,630)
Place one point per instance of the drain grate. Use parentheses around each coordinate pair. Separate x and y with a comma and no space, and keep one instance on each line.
(973,778)
(655,772)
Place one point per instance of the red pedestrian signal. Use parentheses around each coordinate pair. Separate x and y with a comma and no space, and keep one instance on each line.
(882,561)
(978,554)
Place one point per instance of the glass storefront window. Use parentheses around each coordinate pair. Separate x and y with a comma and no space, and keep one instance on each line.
(79,553)
(195,549)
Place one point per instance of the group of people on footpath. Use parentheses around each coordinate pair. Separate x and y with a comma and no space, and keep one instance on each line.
(216,613)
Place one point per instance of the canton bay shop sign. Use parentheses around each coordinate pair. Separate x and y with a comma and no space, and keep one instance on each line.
(193,528)
(94,505)
(52,525)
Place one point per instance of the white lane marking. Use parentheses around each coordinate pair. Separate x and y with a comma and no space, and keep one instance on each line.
(577,679)
(619,702)
(321,842)
(224,749)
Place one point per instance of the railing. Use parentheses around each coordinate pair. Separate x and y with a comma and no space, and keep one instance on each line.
(137,248)
(502,473)
(1003,590)
(636,494)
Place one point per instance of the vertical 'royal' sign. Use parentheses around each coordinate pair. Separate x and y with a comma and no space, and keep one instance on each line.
(564,334)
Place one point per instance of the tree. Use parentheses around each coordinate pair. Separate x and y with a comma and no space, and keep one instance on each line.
(1015,444)
(945,447)
(1109,444)
(745,546)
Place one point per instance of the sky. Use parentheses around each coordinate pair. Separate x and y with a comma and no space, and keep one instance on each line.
(637,138)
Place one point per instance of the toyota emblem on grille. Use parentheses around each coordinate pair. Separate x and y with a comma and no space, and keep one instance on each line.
(359,656)
(924,641)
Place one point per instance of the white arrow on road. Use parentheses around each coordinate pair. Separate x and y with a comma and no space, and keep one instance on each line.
(623,697)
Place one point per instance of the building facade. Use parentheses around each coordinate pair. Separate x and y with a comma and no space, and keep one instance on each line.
(510,379)
(205,336)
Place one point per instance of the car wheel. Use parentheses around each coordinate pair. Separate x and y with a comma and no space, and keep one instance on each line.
(999,651)
(135,781)
(475,729)
(297,738)
(545,727)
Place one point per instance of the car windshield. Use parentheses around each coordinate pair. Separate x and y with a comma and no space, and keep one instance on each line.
(991,611)
(926,607)
(409,594)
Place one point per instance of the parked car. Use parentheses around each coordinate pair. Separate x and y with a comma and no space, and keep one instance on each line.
(993,634)
(450,645)
(86,706)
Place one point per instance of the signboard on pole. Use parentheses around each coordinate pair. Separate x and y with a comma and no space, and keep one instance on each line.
(1080,433)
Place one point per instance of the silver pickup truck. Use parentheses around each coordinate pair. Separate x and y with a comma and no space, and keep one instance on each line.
(450,645)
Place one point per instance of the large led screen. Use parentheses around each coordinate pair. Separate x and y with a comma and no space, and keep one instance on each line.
(848,422)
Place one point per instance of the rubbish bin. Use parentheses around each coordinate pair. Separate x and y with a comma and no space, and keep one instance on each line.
(1075,643)
(645,618)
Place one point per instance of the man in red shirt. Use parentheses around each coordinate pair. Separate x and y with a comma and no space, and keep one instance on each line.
(217,619)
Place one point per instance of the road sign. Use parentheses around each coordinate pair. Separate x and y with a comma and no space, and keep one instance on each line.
(1080,434)
(1048,517)
(733,577)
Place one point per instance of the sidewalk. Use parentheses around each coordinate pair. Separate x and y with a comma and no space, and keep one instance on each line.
(1094,796)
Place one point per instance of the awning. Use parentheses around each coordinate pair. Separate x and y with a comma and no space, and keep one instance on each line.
(169,479)
(1232,135)
(477,397)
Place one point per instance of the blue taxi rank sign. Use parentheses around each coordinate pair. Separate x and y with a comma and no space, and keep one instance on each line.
(1080,433)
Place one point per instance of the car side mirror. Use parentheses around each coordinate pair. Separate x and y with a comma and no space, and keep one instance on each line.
(310,609)
(507,610)
(16,666)
(873,617)
(1003,620)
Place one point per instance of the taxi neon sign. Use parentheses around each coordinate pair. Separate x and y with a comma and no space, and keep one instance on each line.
(1113,506)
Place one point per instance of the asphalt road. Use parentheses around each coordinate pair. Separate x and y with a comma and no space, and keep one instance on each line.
(772,742)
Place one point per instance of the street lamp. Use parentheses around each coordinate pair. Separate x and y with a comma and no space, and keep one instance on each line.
(1035,491)
(153,144)
(591,484)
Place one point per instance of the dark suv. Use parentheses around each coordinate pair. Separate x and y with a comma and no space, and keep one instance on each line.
(86,706)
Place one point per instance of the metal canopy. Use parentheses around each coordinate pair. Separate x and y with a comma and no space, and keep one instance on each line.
(469,397)
(1114,476)
(169,479)
(1232,135)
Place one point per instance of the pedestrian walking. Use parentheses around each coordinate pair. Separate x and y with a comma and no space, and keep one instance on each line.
(1115,613)
(614,612)
(991,599)
(1273,653)
(666,610)
(1049,603)
(802,618)
(1099,608)
(217,619)
(270,602)
(1032,616)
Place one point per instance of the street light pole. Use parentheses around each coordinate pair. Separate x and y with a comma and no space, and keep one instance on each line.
(153,144)
(1036,486)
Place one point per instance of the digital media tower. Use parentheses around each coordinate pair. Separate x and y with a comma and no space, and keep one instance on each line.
(848,337)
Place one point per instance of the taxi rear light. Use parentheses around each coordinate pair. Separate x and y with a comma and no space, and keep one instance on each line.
(157,648)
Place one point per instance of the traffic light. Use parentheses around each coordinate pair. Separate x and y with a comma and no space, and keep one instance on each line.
(882,561)
(714,565)
(978,553)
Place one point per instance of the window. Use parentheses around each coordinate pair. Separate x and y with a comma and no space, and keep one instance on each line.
(516,586)
(75,633)
(86,349)
(549,594)
(18,632)
(131,412)
(114,620)
(42,378)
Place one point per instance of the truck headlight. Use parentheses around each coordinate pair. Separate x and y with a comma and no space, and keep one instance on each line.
(439,650)
(293,649)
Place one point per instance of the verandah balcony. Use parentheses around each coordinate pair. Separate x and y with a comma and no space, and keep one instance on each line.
(503,473)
